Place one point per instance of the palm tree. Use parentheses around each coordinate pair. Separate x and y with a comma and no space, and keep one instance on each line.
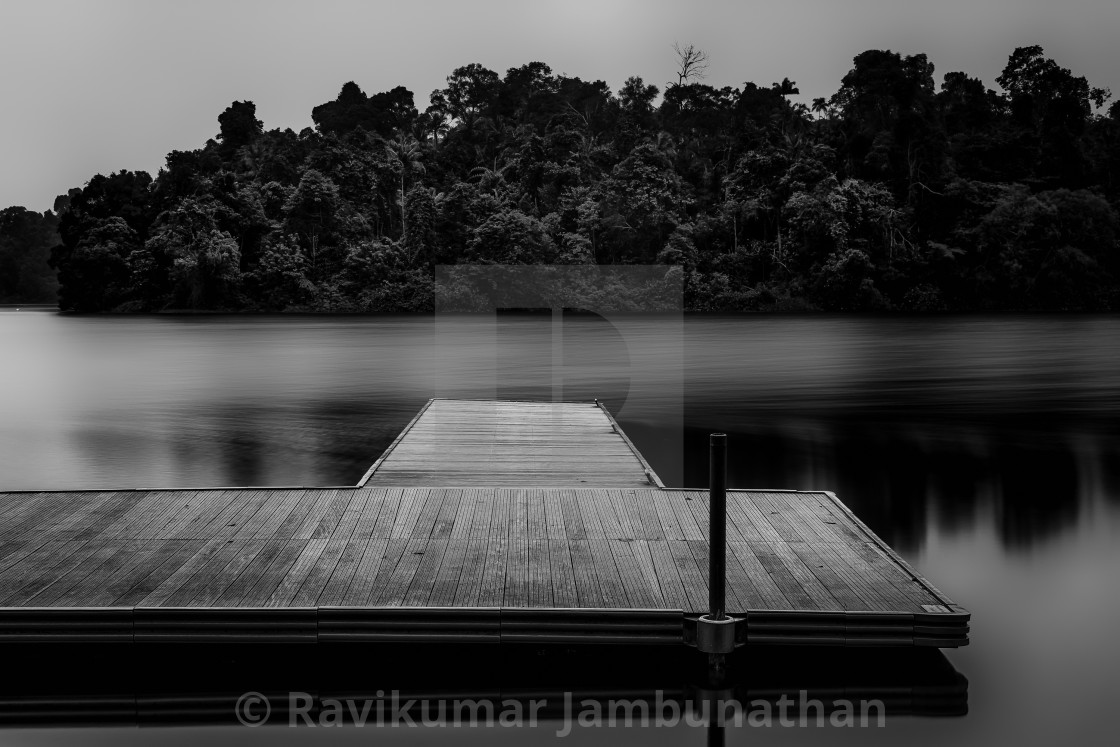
(492,179)
(406,151)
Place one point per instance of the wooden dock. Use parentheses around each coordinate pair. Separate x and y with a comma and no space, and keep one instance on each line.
(455,552)
(464,443)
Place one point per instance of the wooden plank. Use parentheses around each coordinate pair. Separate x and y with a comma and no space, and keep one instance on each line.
(431,502)
(493,587)
(308,528)
(621,504)
(215,507)
(362,583)
(395,589)
(207,504)
(836,586)
(319,574)
(484,504)
(795,595)
(13,553)
(412,501)
(553,515)
(336,509)
(909,586)
(77,567)
(37,569)
(287,503)
(536,520)
(644,559)
(464,514)
(292,581)
(244,504)
(176,506)
(863,578)
(420,586)
(608,518)
(737,515)
(695,582)
(469,586)
(334,591)
(517,573)
(606,572)
(686,520)
(139,565)
(586,580)
(271,502)
(810,584)
(518,514)
(808,522)
(268,582)
(589,513)
(639,593)
(243,588)
(539,576)
(448,511)
(667,517)
(562,574)
(766,530)
(643,515)
(101,570)
(37,512)
(350,518)
(181,551)
(373,501)
(107,514)
(209,580)
(65,522)
(450,569)
(222,505)
(297,516)
(668,576)
(391,503)
(391,558)
(574,528)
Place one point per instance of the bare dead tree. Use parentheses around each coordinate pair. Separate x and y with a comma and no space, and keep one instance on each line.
(692,63)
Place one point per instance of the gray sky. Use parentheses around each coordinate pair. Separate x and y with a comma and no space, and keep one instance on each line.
(103,85)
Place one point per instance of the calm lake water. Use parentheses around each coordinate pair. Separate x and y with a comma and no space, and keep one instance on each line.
(986,450)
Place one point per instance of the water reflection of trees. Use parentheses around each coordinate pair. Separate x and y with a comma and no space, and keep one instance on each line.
(900,477)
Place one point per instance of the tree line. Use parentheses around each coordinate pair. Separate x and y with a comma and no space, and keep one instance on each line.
(895,193)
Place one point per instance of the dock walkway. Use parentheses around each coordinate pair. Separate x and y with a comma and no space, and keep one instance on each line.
(508,561)
(500,443)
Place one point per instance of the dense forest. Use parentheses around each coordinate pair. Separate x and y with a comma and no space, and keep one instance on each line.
(895,193)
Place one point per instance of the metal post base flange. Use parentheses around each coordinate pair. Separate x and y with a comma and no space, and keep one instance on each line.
(715,636)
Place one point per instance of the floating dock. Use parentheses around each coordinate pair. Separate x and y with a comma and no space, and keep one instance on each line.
(483,522)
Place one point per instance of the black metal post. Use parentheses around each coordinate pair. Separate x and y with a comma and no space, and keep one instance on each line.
(717,536)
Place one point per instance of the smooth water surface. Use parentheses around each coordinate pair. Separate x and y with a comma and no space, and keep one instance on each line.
(984,449)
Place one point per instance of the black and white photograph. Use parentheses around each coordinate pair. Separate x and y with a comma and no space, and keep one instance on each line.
(629,372)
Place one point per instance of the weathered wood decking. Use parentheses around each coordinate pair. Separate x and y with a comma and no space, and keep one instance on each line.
(487,442)
(468,562)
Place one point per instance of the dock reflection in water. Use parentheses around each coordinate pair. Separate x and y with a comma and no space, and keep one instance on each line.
(359,685)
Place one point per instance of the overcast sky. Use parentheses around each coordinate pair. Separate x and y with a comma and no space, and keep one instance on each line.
(102,85)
